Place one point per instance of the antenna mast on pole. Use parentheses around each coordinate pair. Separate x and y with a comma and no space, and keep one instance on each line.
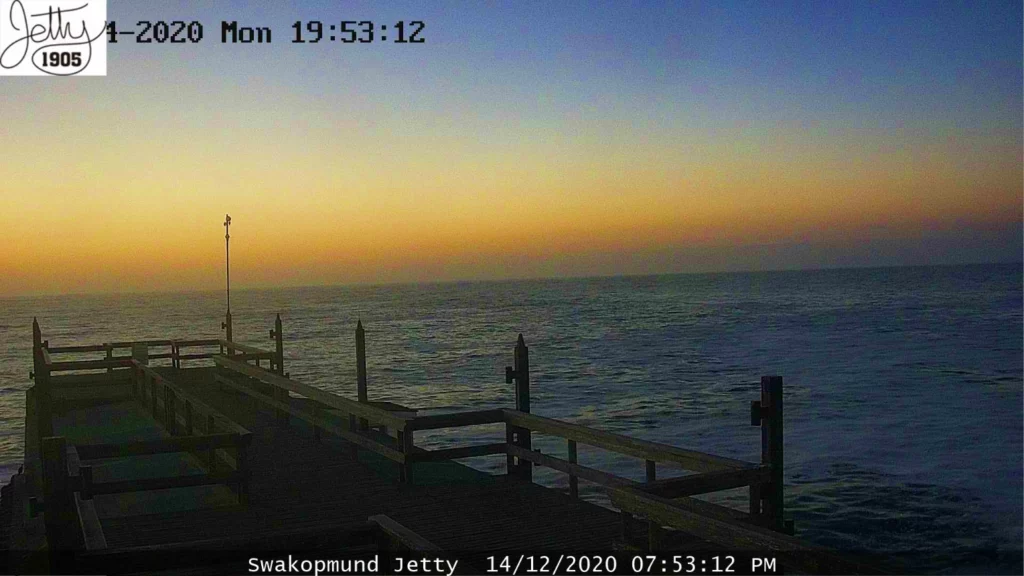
(227,262)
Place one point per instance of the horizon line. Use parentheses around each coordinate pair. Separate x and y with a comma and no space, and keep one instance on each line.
(370,284)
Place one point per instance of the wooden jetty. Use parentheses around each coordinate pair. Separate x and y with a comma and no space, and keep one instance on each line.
(165,446)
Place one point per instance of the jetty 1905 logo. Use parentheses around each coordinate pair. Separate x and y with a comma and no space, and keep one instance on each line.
(53,37)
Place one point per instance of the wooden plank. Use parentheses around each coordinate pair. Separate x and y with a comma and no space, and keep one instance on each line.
(197,356)
(89,524)
(406,537)
(116,378)
(46,357)
(200,342)
(86,348)
(707,482)
(587,473)
(455,453)
(158,446)
(456,420)
(90,364)
(241,347)
(372,414)
(686,459)
(146,342)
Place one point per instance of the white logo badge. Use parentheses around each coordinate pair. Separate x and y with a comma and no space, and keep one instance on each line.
(53,37)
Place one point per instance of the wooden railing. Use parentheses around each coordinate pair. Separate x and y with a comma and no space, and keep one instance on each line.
(219,444)
(365,424)
(714,472)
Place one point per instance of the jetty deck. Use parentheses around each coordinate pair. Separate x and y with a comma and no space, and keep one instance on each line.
(219,449)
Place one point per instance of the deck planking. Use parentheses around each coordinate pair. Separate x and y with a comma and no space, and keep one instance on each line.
(301,486)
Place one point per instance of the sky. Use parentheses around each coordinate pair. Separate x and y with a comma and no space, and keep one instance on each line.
(521,139)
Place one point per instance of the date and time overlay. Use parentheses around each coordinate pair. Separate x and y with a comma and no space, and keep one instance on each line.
(70,37)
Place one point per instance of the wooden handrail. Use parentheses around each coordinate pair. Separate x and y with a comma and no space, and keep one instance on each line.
(707,482)
(720,526)
(456,420)
(460,452)
(686,459)
(573,469)
(121,362)
(199,342)
(405,537)
(356,437)
(68,349)
(197,404)
(229,345)
(374,415)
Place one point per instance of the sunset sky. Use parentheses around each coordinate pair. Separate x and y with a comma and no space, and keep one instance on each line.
(522,139)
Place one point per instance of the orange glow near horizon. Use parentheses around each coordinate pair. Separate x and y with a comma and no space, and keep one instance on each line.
(400,166)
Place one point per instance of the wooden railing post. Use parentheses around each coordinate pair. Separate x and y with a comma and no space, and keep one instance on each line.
(228,332)
(41,373)
(767,499)
(278,337)
(361,370)
(109,353)
(175,356)
(280,394)
(57,502)
(520,373)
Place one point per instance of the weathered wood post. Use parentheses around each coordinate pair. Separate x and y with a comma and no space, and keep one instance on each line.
(280,393)
(228,332)
(41,373)
(58,506)
(520,372)
(361,370)
(767,499)
(109,354)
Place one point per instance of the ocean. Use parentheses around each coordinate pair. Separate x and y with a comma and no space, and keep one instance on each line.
(903,386)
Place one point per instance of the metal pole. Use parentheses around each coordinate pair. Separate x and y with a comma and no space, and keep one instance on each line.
(227,255)
(227,262)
